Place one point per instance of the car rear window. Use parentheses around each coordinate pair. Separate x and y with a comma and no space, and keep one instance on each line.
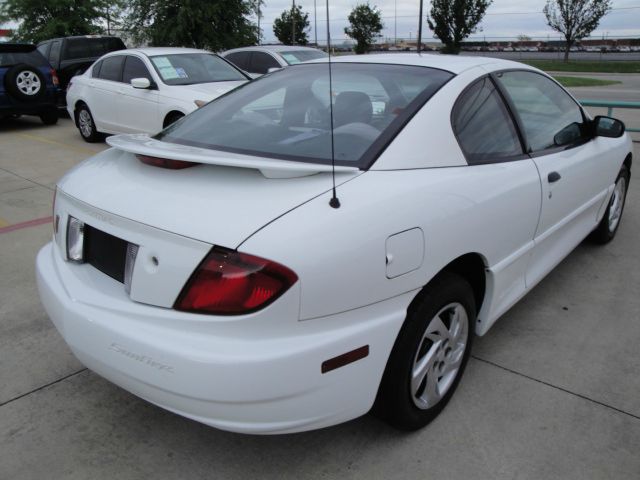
(299,56)
(286,115)
(91,47)
(33,58)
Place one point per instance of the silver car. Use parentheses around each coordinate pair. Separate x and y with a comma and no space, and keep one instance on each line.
(263,59)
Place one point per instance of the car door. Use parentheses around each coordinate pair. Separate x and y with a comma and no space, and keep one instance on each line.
(573,174)
(104,92)
(488,137)
(137,107)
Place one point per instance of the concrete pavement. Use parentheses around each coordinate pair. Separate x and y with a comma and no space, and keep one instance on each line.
(552,391)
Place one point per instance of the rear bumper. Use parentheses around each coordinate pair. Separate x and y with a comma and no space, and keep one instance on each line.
(230,374)
(27,109)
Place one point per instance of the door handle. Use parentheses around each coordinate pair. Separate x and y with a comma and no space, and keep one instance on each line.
(553,177)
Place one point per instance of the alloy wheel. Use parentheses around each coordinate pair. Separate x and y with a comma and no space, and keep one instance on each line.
(28,83)
(439,356)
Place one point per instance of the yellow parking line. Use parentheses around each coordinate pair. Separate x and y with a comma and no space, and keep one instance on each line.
(3,222)
(60,144)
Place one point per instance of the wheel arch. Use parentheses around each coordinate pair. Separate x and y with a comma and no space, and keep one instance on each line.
(170,114)
(76,106)
(627,161)
(472,267)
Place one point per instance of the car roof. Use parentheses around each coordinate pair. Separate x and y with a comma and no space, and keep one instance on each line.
(153,51)
(451,63)
(271,48)
(79,36)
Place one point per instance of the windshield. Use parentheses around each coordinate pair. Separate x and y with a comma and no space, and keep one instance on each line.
(285,115)
(299,56)
(192,68)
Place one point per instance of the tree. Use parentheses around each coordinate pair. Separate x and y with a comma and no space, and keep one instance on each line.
(209,24)
(284,26)
(44,19)
(575,19)
(454,20)
(366,24)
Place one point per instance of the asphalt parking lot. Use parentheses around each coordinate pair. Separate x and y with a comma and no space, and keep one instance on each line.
(552,391)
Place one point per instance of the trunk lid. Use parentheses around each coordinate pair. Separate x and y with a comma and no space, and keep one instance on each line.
(215,203)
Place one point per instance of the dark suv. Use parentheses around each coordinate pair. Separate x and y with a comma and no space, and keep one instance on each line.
(71,56)
(28,84)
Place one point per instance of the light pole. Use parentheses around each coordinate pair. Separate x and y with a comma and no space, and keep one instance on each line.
(293,23)
(395,22)
(420,28)
(315,22)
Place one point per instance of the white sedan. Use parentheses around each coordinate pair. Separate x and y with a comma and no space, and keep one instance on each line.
(143,90)
(215,271)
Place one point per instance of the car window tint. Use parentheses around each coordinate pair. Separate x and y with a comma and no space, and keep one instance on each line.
(44,49)
(483,126)
(548,114)
(91,47)
(112,68)
(239,59)
(54,53)
(298,56)
(33,58)
(134,68)
(95,71)
(262,62)
(287,116)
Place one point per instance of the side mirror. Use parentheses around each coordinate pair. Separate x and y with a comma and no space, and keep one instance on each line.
(142,83)
(568,135)
(273,69)
(607,127)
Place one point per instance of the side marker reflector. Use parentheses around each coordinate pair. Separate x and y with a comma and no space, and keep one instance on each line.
(345,359)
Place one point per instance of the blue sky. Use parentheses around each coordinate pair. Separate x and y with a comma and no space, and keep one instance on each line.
(505,18)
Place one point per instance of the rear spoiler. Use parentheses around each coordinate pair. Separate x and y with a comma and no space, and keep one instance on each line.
(142,144)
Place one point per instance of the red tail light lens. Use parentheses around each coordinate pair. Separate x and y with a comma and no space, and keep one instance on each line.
(54,78)
(165,162)
(233,283)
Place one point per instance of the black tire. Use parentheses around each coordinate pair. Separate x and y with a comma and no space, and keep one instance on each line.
(49,117)
(172,118)
(607,229)
(25,83)
(86,125)
(396,403)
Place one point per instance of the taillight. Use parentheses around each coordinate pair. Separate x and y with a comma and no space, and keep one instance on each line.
(233,283)
(165,162)
(54,78)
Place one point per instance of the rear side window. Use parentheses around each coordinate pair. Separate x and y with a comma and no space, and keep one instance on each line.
(483,126)
(111,68)
(54,53)
(44,49)
(95,71)
(239,59)
(262,62)
(134,68)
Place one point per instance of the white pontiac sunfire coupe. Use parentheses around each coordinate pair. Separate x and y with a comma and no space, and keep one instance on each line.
(210,270)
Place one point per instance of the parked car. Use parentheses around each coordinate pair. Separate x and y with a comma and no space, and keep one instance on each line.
(71,56)
(146,89)
(214,270)
(28,84)
(262,59)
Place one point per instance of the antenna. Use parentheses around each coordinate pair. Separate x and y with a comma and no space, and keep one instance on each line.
(334,202)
